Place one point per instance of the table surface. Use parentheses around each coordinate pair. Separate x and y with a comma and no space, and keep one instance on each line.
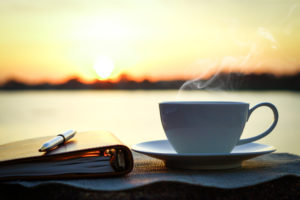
(148,171)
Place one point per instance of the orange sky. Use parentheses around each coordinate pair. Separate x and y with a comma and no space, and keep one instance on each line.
(53,40)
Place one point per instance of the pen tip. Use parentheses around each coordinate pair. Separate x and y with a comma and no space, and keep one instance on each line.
(42,149)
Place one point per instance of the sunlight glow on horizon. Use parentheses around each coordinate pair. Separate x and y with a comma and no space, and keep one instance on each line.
(54,40)
(104,66)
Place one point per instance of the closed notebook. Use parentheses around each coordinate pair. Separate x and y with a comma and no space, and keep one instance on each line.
(87,155)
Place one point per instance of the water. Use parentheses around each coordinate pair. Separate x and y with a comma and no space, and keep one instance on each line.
(134,115)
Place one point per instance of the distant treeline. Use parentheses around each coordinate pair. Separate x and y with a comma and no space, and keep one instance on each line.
(232,81)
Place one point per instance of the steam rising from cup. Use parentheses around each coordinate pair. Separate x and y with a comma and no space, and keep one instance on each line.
(260,43)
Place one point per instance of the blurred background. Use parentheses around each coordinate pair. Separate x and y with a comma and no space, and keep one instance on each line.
(90,65)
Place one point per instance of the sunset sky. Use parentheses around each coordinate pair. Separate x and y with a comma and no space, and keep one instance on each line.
(56,39)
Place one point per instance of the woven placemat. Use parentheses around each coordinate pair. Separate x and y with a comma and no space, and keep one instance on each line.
(148,170)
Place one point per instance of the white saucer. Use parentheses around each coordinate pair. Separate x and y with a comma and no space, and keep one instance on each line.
(162,149)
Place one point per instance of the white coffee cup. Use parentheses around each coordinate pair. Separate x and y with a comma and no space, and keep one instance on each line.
(208,127)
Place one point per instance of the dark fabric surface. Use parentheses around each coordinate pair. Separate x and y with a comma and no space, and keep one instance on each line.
(149,171)
(287,187)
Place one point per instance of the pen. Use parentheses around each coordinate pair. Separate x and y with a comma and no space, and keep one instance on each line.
(59,139)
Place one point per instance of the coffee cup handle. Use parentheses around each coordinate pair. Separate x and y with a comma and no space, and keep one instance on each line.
(275,113)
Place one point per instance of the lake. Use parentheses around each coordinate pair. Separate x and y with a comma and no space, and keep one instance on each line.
(134,115)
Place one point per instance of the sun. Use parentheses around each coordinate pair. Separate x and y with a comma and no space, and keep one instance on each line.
(104,66)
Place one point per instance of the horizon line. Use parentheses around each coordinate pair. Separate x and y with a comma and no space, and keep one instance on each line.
(225,81)
(126,77)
